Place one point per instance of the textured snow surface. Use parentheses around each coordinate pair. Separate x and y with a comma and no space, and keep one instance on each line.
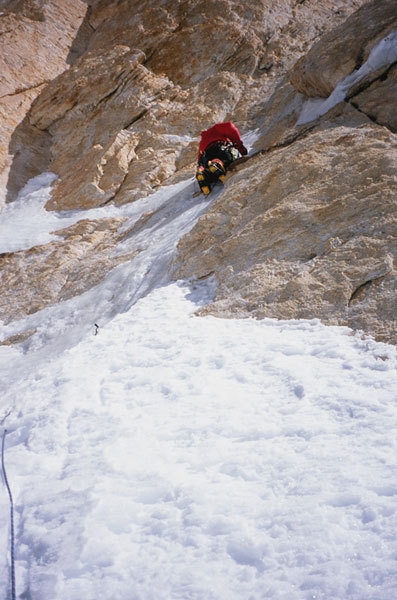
(164,456)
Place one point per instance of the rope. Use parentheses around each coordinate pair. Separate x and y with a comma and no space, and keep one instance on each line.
(13,595)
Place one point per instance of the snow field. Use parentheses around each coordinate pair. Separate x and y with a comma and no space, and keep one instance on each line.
(172,457)
(177,457)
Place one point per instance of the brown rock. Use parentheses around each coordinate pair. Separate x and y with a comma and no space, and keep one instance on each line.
(344,49)
(35,278)
(94,111)
(35,45)
(305,229)
(113,87)
(377,100)
(302,231)
(18,338)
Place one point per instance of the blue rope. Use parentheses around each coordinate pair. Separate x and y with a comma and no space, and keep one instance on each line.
(13,595)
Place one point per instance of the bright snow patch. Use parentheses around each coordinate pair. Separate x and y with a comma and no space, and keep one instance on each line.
(172,457)
(177,457)
(25,222)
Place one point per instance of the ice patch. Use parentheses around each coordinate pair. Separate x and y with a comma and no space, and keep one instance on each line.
(384,53)
(250,138)
(25,222)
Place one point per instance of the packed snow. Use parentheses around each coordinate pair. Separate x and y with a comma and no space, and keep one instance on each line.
(157,455)
(383,53)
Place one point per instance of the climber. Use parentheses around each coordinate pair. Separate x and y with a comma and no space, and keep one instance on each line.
(219,146)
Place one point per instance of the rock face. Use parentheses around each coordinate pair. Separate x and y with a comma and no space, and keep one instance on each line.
(279,247)
(313,233)
(37,41)
(344,49)
(146,73)
(114,102)
(64,268)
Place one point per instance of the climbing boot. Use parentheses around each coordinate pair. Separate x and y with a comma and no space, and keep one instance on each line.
(203,176)
(217,167)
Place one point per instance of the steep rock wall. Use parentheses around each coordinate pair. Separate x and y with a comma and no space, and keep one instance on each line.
(36,44)
(304,229)
(308,229)
(311,235)
(150,70)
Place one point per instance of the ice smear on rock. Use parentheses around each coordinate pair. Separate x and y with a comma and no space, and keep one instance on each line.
(384,53)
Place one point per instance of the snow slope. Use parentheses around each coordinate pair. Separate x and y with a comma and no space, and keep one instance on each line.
(163,456)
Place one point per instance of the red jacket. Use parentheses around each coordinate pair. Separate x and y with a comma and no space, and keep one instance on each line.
(221,132)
